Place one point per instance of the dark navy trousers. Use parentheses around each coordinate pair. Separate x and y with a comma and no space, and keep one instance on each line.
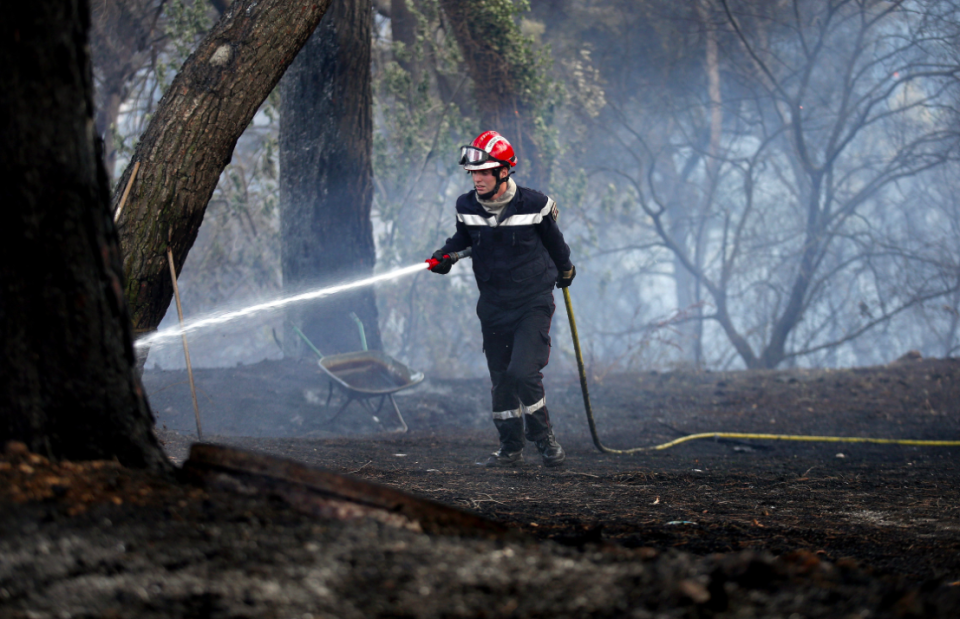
(516,342)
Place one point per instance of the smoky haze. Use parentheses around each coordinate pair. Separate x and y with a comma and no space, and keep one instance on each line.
(742,184)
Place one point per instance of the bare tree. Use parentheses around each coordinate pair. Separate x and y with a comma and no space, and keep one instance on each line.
(932,225)
(830,110)
(67,382)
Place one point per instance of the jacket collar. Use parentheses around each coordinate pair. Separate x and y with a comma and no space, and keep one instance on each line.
(508,210)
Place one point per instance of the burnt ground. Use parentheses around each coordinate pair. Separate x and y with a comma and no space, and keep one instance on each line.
(706,528)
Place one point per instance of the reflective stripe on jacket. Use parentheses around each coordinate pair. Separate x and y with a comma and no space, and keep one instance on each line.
(517,257)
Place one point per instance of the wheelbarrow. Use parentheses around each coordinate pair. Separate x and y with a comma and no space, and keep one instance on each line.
(364,376)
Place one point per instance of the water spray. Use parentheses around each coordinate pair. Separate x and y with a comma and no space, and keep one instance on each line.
(220,318)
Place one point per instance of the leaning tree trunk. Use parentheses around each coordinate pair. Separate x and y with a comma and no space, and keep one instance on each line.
(192,136)
(502,99)
(326,177)
(67,382)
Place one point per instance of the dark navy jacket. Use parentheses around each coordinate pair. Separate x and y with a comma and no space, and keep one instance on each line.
(515,259)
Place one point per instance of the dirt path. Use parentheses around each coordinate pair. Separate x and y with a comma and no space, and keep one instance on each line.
(897,513)
(706,529)
(895,509)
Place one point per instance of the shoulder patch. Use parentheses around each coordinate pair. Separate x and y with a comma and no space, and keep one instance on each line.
(554,212)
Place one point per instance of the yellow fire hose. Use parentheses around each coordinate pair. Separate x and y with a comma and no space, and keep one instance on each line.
(736,435)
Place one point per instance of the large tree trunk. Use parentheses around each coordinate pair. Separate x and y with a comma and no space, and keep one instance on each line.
(498,94)
(67,384)
(192,136)
(326,178)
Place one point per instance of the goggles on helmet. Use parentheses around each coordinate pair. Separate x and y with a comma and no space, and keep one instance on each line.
(471,155)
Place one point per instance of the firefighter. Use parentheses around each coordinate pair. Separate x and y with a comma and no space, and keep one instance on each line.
(519,255)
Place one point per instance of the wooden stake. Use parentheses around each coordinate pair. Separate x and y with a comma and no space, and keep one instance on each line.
(186,350)
(126,192)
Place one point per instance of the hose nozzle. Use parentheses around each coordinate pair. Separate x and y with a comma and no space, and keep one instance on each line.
(454,256)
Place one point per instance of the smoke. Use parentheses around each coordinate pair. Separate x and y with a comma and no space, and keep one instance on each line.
(692,187)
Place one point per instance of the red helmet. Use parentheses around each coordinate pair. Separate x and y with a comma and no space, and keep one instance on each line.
(488,150)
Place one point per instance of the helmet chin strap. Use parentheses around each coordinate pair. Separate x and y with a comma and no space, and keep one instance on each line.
(496,187)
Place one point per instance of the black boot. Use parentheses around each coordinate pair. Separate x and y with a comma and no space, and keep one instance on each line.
(540,432)
(550,450)
(511,444)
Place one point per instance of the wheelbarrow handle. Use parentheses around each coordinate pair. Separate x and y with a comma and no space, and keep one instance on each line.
(307,340)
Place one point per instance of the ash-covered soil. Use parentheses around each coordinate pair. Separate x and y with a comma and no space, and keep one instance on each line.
(707,528)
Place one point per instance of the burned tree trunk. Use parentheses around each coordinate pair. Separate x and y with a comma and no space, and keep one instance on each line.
(326,177)
(192,137)
(67,385)
(484,32)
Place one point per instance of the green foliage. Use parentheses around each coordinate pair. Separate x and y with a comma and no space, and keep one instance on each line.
(422,116)
(495,23)
(528,66)
(416,136)
(185,23)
